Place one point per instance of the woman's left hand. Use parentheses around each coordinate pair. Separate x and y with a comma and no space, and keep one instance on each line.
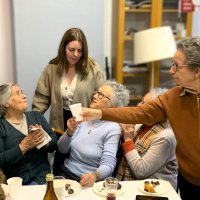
(128,131)
(88,179)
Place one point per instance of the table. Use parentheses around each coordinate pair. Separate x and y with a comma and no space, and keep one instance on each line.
(36,192)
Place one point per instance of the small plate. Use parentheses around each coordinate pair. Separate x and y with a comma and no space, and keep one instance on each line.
(74,185)
(162,188)
(99,189)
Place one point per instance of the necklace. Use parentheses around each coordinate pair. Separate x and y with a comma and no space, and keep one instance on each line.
(94,124)
(18,125)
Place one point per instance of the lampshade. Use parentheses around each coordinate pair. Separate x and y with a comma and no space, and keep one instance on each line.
(153,45)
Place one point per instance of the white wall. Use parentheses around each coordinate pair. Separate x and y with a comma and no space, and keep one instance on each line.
(6,43)
(39,26)
(196,23)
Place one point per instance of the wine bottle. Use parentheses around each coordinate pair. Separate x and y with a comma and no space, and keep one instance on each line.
(50,193)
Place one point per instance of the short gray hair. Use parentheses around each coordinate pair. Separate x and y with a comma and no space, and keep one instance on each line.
(155,92)
(121,94)
(5,94)
(191,49)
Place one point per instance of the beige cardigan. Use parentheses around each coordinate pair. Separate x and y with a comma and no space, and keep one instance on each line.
(47,93)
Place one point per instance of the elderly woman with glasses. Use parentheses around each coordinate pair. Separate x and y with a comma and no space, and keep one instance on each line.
(92,146)
(23,150)
(181,105)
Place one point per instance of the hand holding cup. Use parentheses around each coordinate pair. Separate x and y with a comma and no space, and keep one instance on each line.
(76,110)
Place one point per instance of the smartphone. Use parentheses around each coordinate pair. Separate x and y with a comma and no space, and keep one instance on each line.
(145,197)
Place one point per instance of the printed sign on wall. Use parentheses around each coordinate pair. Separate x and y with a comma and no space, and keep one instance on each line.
(187,6)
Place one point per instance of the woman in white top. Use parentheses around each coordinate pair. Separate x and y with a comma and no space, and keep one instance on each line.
(71,77)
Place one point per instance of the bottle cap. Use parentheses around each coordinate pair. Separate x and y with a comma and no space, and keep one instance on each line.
(49,177)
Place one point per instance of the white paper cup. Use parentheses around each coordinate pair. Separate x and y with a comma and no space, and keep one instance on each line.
(59,188)
(14,187)
(76,110)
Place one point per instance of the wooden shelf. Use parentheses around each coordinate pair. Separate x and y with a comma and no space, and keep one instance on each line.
(132,74)
(136,98)
(142,18)
(128,37)
(139,10)
(170,10)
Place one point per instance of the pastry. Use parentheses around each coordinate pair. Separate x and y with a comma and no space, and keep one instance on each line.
(148,187)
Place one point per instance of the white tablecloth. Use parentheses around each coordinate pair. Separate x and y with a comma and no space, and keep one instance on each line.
(37,192)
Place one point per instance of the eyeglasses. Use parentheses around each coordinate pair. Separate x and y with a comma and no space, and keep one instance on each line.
(101,95)
(176,66)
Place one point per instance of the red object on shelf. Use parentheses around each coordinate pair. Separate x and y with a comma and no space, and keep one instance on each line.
(187,6)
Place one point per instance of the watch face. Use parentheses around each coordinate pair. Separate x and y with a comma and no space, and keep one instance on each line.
(145,197)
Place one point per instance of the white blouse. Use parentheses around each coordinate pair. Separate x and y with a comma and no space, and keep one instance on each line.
(67,91)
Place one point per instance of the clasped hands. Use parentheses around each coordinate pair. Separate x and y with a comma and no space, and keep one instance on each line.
(33,138)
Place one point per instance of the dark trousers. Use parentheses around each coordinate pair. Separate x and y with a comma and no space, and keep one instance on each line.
(60,157)
(188,191)
(66,115)
(67,174)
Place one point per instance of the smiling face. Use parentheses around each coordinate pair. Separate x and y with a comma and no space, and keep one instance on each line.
(17,101)
(102,98)
(183,75)
(73,52)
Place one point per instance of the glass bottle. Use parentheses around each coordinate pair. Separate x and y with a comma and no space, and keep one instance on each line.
(50,193)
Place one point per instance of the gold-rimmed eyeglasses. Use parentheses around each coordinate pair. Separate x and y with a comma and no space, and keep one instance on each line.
(176,66)
(101,95)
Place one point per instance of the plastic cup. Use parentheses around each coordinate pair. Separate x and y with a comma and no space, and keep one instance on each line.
(59,177)
(46,137)
(59,187)
(14,187)
(111,188)
(76,110)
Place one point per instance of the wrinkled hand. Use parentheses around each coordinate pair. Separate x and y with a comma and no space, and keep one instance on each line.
(72,126)
(91,114)
(32,140)
(128,131)
(88,179)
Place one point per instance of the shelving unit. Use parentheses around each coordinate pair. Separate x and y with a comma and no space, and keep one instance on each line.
(142,18)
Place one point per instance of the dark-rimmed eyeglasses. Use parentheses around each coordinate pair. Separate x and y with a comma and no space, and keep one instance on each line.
(101,95)
(176,66)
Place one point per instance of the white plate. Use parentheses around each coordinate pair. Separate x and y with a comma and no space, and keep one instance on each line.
(99,189)
(162,188)
(74,185)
